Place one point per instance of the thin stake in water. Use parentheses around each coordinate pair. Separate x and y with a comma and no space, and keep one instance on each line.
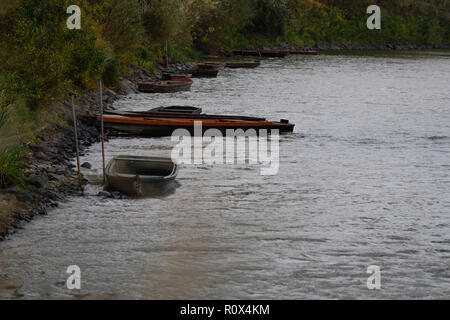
(167,55)
(102,129)
(76,144)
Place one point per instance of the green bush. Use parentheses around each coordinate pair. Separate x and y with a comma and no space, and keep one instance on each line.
(3,117)
(164,20)
(41,58)
(11,165)
(111,72)
(270,18)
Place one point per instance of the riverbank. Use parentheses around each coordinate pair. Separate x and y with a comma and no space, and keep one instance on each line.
(351,47)
(49,171)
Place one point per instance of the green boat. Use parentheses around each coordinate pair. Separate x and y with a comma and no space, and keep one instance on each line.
(140,176)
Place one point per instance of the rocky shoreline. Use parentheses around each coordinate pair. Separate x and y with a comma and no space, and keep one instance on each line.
(49,172)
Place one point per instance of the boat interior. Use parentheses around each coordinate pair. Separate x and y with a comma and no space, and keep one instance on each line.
(141,166)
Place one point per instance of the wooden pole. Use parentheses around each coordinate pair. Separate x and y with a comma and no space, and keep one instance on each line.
(103,129)
(167,56)
(76,144)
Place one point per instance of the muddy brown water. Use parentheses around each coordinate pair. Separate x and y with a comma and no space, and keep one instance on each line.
(364,180)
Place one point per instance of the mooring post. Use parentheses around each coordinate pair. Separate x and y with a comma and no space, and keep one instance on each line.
(76,144)
(167,56)
(103,129)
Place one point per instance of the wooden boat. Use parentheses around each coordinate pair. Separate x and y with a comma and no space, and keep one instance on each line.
(186,112)
(177,76)
(242,64)
(196,115)
(165,86)
(260,53)
(177,110)
(203,73)
(210,65)
(164,125)
(139,176)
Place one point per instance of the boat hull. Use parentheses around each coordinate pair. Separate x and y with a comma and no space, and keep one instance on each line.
(141,176)
(211,66)
(149,128)
(204,73)
(176,77)
(236,65)
(165,86)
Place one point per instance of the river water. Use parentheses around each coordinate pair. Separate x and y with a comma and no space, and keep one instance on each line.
(364,180)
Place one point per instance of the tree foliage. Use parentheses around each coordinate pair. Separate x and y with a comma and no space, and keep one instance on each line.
(41,59)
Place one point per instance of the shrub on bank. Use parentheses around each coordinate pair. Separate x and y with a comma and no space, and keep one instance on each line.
(11,166)
(11,160)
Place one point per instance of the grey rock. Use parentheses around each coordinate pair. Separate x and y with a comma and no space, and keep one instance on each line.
(127,87)
(116,195)
(105,194)
(38,148)
(42,211)
(86,165)
(40,156)
(39,181)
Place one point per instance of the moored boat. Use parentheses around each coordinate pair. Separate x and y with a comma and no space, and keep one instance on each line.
(164,125)
(242,64)
(177,76)
(210,65)
(187,114)
(203,73)
(165,86)
(140,176)
(177,110)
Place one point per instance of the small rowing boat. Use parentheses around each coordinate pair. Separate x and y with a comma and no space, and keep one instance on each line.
(165,86)
(175,110)
(210,65)
(203,73)
(242,64)
(139,176)
(176,76)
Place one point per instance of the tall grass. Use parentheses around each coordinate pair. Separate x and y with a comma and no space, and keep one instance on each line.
(11,165)
(3,117)
(11,160)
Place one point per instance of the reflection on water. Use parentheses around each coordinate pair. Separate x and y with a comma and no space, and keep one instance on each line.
(364,180)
